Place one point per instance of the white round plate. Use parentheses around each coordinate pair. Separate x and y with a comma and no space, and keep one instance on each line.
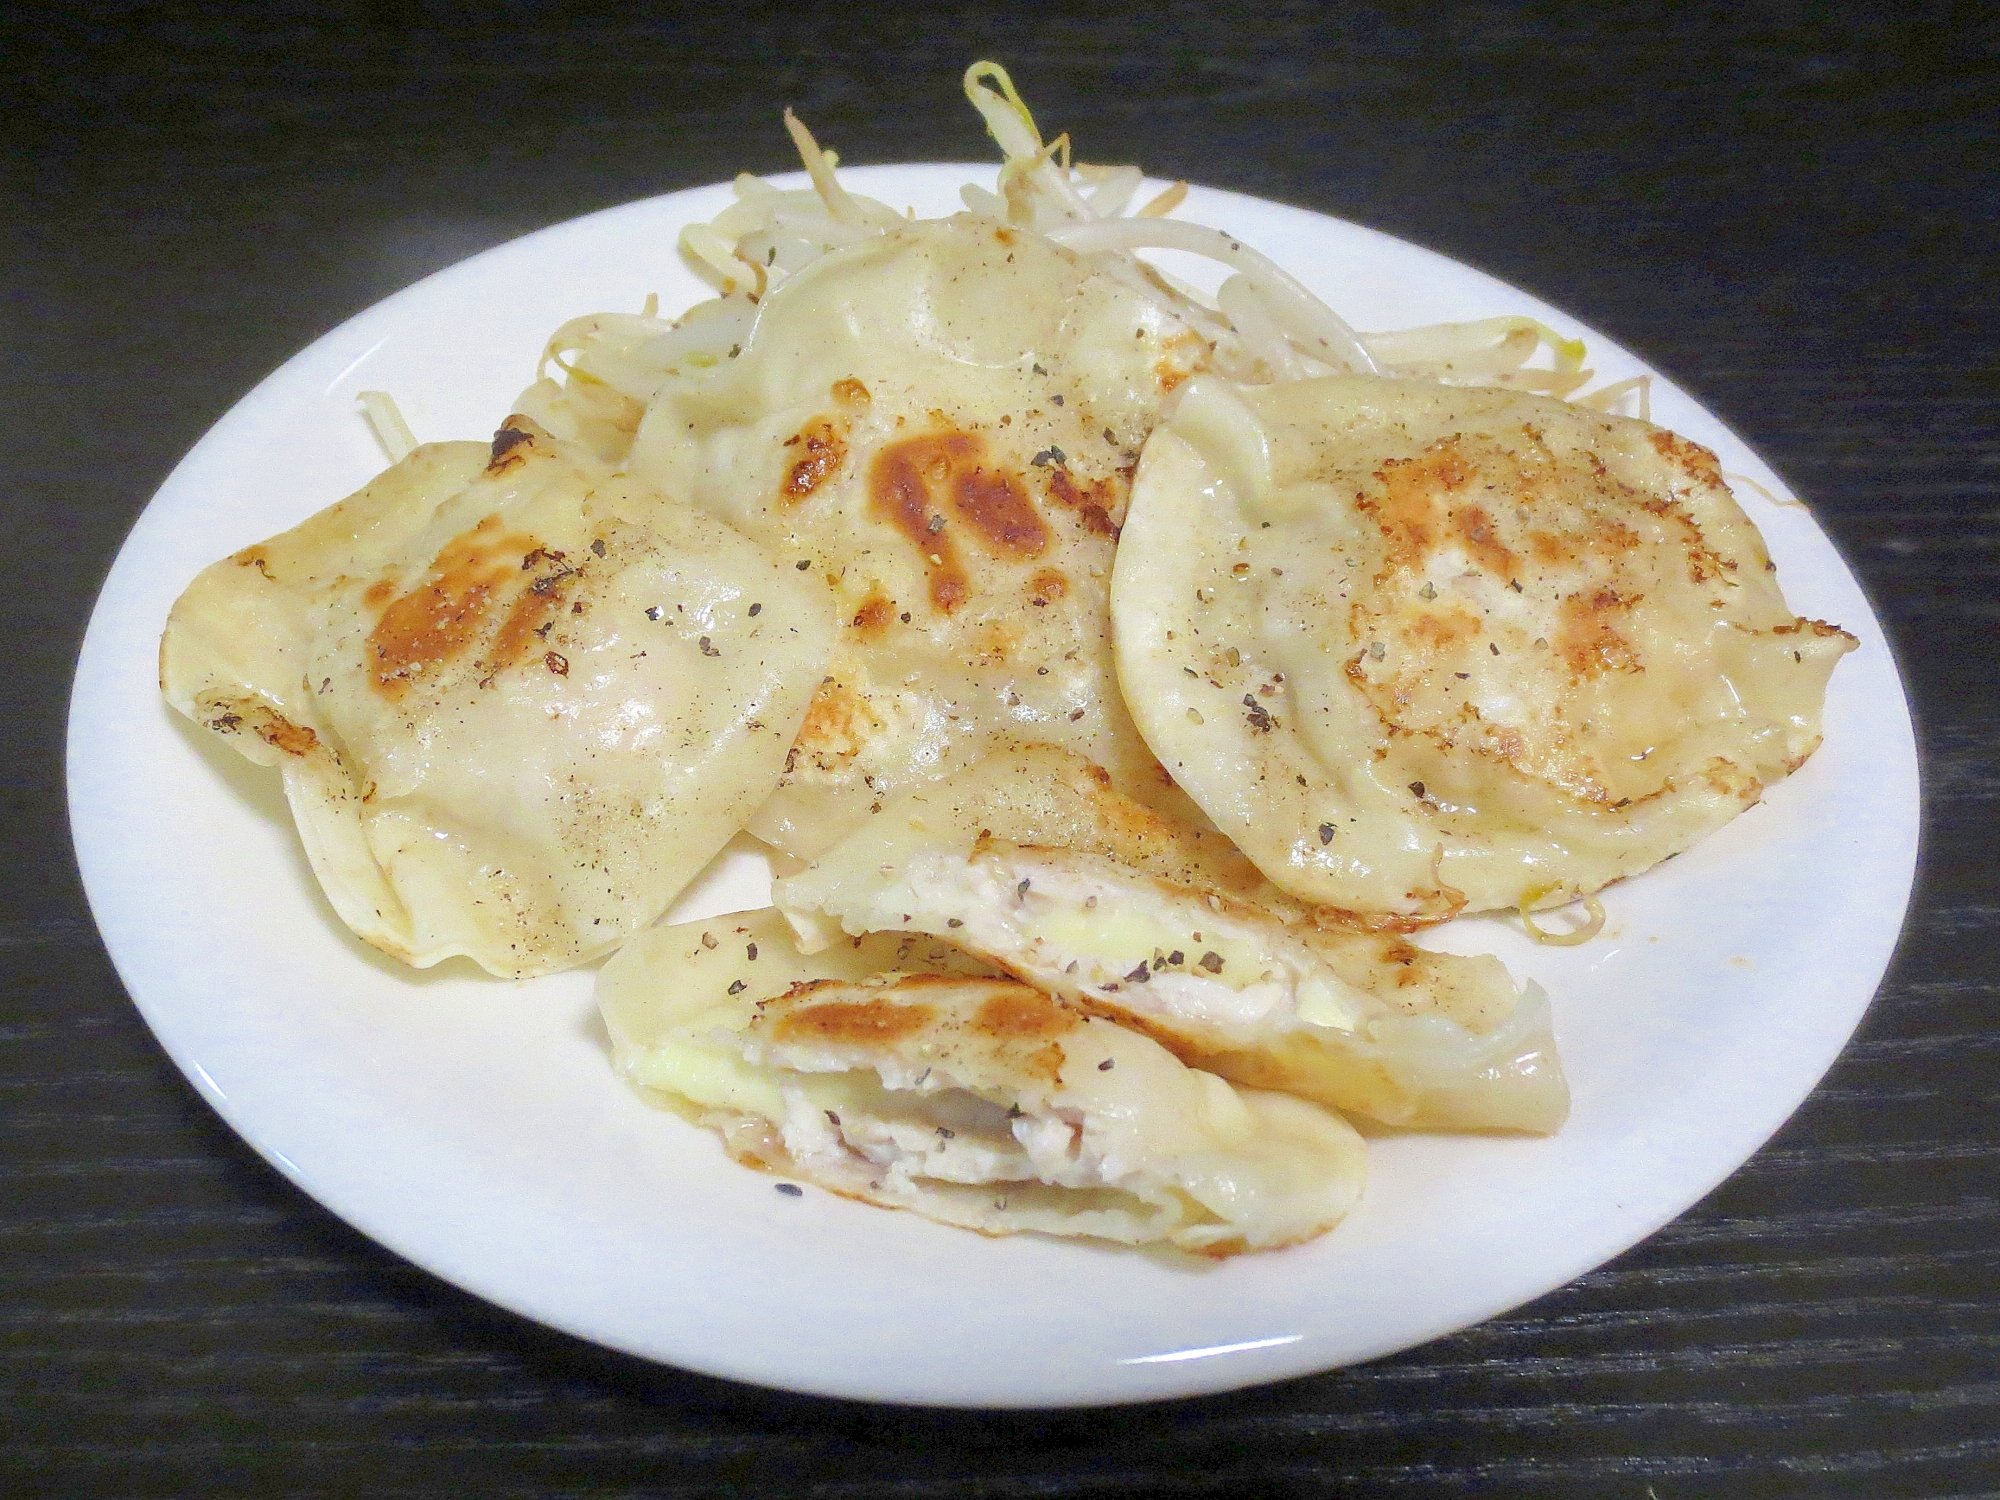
(475,1126)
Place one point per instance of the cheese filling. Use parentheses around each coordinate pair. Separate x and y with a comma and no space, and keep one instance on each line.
(1076,933)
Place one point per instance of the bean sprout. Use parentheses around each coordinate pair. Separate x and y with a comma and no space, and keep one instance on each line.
(1261,326)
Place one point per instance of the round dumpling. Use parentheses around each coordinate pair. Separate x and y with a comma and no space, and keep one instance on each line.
(936,427)
(1420,650)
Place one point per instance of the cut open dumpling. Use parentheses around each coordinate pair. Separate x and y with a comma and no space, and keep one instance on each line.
(518,704)
(979,1102)
(1244,983)
(1419,649)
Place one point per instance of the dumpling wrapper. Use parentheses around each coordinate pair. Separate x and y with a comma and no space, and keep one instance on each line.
(1420,649)
(518,704)
(978,1102)
(1246,983)
(939,426)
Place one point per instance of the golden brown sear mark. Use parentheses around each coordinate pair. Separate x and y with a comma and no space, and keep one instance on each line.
(1018,1012)
(1098,503)
(821,452)
(862,1022)
(838,723)
(1697,462)
(875,613)
(444,617)
(281,733)
(1417,516)
(933,487)
(1588,641)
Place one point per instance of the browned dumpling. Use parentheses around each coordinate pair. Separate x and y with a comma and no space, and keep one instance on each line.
(518,704)
(937,426)
(1420,650)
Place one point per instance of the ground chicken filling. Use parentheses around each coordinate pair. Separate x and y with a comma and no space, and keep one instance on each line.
(885,1132)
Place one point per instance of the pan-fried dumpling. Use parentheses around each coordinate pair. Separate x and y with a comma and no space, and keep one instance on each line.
(1245,985)
(978,1102)
(1419,649)
(938,427)
(518,704)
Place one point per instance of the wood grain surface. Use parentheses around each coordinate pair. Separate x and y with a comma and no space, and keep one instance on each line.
(1792,210)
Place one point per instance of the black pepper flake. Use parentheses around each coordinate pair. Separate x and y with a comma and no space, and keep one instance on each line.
(1109,438)
(1326,833)
(1417,790)
(598,546)
(1141,973)
(1177,957)
(1038,369)
(734,350)
(936,525)
(1014,1111)
(1514,584)
(947,1132)
(1212,962)
(556,663)
(833,1119)
(1076,715)
(906,617)
(738,988)
(791,1190)
(1041,460)
(1494,647)
(1021,889)
(1159,963)
(756,610)
(653,612)
(954,922)
(1258,715)
(706,648)
(1056,399)
(752,951)
(1057,456)
(1107,1065)
(802,565)
(1461,676)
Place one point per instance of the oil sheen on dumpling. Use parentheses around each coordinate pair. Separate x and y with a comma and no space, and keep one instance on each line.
(1244,984)
(978,1102)
(937,427)
(1419,649)
(518,704)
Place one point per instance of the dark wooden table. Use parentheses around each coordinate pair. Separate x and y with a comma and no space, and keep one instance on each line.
(1796,217)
